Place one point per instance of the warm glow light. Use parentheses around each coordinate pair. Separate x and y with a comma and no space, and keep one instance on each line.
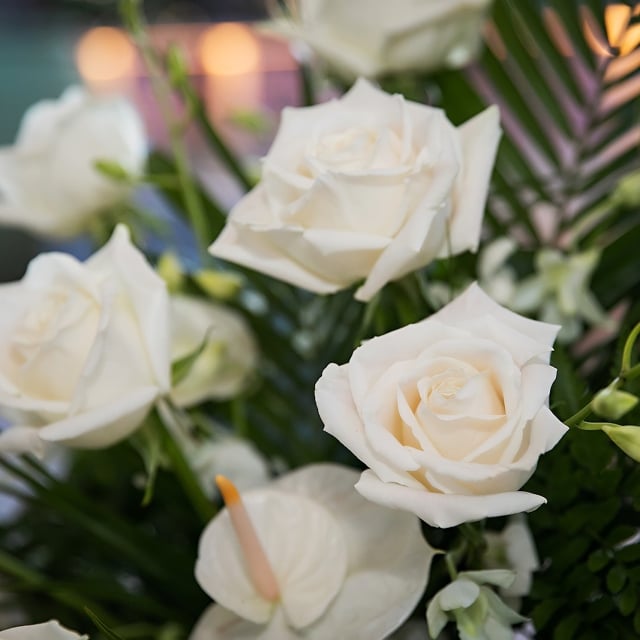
(229,49)
(105,54)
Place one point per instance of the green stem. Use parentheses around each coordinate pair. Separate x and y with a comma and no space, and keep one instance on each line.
(214,139)
(183,471)
(451,566)
(306,86)
(579,416)
(133,18)
(628,351)
(631,374)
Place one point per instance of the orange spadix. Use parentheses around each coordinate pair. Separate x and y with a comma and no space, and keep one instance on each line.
(255,557)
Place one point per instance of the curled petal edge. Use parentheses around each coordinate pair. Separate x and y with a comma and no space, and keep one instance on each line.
(445,510)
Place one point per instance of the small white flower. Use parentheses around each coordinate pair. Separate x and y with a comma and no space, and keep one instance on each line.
(84,348)
(559,292)
(51,630)
(368,187)
(375,37)
(478,612)
(325,564)
(48,181)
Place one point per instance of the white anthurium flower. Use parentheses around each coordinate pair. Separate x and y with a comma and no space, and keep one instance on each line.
(478,612)
(450,414)
(307,557)
(51,630)
(374,37)
(368,187)
(48,180)
(230,355)
(84,348)
(559,292)
(513,548)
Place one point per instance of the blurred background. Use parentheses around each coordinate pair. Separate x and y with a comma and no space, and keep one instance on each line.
(245,75)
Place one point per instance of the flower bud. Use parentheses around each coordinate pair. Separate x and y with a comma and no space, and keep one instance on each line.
(170,270)
(612,404)
(626,437)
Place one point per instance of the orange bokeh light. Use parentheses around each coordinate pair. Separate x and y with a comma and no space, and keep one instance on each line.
(105,54)
(229,48)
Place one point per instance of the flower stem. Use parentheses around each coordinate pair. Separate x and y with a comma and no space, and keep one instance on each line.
(628,351)
(183,471)
(579,416)
(134,21)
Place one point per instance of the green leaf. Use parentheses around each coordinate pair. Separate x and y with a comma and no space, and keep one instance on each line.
(566,630)
(616,578)
(598,560)
(110,633)
(627,601)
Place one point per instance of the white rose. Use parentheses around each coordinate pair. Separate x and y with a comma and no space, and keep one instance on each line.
(363,187)
(46,631)
(345,568)
(449,414)
(376,37)
(222,369)
(48,182)
(84,348)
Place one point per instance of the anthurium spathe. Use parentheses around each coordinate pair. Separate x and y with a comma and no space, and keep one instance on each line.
(324,562)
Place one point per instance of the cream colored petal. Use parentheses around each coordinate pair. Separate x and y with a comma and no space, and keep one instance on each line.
(22,440)
(389,559)
(218,623)
(103,426)
(479,140)
(51,630)
(340,418)
(304,545)
(474,303)
(441,510)
(148,296)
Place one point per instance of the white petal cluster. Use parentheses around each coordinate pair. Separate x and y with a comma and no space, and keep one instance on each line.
(370,186)
(450,414)
(48,181)
(84,348)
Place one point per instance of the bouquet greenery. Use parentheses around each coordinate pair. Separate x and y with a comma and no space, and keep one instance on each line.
(328,419)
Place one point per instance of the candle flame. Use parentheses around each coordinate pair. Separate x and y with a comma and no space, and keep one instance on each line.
(256,560)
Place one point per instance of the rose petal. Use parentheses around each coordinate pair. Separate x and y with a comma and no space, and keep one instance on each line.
(103,426)
(441,510)
(22,440)
(479,137)
(341,420)
(146,292)
(474,303)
